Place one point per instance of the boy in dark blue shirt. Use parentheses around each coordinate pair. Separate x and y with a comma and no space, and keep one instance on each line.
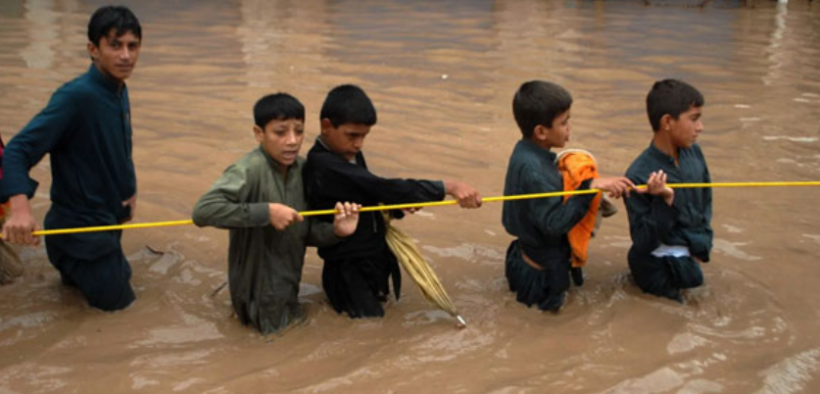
(671,229)
(538,261)
(86,127)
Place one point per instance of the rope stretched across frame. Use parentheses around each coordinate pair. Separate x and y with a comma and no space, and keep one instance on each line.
(133,226)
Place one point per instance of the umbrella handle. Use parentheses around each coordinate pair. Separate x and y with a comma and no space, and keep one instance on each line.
(460,322)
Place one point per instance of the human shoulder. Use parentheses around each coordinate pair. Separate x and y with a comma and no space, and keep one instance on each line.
(78,88)
(253,159)
(637,169)
(319,155)
(528,154)
(529,172)
(321,160)
(252,162)
(66,104)
(247,171)
(698,151)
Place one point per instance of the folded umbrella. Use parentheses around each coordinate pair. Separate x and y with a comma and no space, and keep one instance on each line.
(417,267)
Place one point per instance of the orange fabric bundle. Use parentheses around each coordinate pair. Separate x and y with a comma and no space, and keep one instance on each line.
(577,166)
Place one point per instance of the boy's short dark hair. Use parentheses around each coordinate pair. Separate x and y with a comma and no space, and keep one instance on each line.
(119,18)
(539,103)
(348,104)
(673,97)
(278,106)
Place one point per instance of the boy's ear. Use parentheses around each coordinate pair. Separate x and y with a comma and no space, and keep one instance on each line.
(666,122)
(258,133)
(93,51)
(539,133)
(326,125)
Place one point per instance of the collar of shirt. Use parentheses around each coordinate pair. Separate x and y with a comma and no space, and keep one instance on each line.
(659,155)
(106,82)
(321,142)
(533,148)
(273,163)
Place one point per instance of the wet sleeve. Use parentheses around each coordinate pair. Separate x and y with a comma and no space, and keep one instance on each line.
(39,137)
(389,191)
(321,234)
(553,216)
(222,207)
(650,220)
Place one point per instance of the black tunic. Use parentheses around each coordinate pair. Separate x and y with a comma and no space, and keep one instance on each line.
(357,270)
(686,223)
(541,226)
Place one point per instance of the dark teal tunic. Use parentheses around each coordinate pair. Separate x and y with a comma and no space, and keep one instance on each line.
(686,223)
(541,226)
(86,129)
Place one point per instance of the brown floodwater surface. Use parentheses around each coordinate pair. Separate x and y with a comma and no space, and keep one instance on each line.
(442,76)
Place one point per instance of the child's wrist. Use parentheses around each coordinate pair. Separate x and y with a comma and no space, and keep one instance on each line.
(668,196)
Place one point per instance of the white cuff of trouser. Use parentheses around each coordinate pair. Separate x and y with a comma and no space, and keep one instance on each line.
(671,251)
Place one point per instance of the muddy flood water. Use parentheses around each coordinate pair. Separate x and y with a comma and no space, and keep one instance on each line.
(442,76)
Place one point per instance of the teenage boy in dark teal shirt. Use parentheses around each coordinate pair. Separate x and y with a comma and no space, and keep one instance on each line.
(86,129)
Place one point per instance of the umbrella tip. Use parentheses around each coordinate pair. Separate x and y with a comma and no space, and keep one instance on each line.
(460,322)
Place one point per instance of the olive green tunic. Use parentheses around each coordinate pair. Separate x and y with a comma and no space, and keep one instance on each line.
(264,265)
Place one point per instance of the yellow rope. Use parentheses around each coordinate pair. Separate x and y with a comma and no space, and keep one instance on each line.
(429,204)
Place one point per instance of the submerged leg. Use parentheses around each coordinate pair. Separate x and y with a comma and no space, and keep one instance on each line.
(95,264)
(665,276)
(355,286)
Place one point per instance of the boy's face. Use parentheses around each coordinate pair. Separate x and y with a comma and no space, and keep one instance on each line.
(685,130)
(281,139)
(556,136)
(346,140)
(116,57)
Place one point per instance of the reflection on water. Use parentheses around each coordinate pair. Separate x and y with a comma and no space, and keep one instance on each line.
(442,78)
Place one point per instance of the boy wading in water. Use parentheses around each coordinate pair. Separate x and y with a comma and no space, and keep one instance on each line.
(86,129)
(538,260)
(671,229)
(357,271)
(258,199)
